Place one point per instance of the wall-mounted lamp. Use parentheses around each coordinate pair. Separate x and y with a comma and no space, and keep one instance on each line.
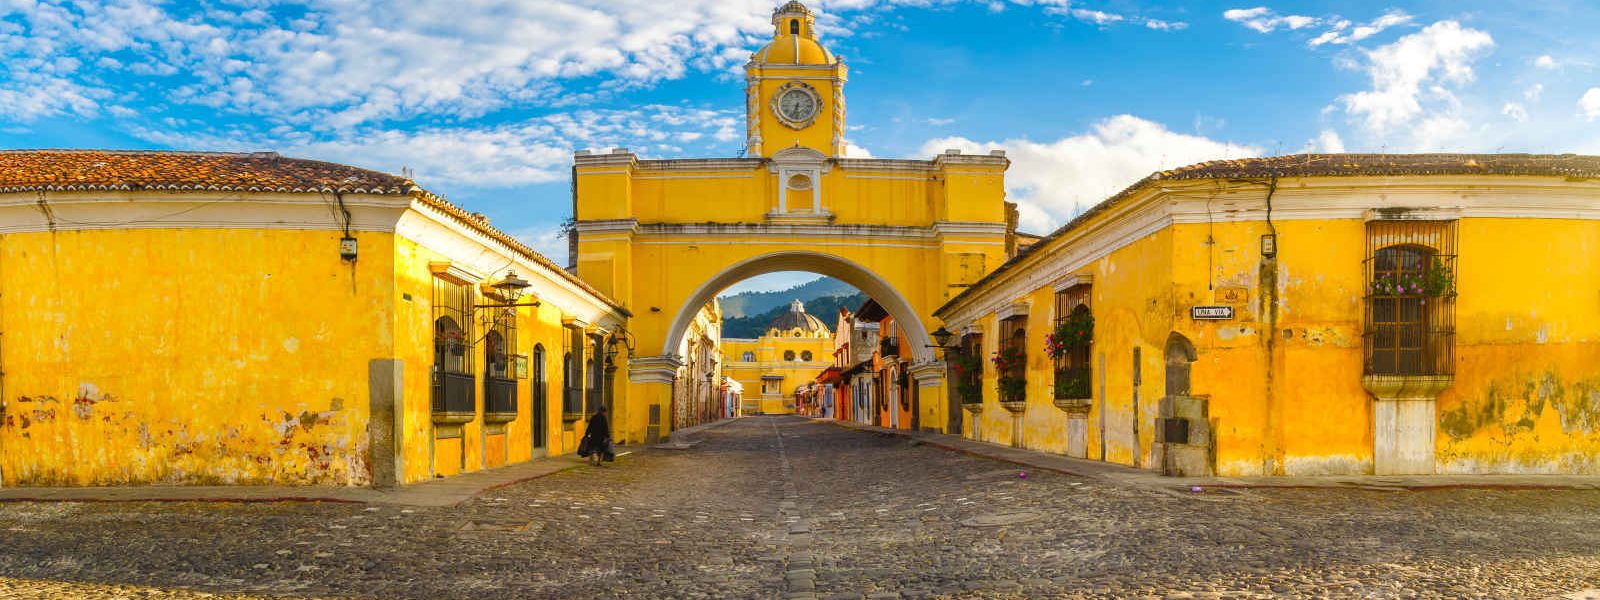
(620,339)
(511,288)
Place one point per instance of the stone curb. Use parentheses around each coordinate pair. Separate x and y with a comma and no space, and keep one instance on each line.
(1122,475)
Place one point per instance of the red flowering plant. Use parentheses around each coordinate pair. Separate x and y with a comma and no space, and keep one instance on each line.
(1077,331)
(1010,363)
(966,369)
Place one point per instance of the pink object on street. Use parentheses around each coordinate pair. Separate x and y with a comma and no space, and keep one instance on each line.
(1022,475)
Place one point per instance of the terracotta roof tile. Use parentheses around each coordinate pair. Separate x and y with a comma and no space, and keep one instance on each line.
(1322,165)
(89,170)
(66,170)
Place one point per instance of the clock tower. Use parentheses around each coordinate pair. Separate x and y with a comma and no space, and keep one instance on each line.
(795,89)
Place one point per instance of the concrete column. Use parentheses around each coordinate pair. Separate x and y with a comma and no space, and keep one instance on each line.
(385,421)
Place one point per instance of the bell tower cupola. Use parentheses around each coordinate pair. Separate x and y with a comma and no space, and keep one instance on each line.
(795,89)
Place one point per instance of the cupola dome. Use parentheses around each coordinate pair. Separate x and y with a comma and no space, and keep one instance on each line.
(798,323)
(794,39)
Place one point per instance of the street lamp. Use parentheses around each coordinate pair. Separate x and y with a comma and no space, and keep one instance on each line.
(510,289)
(620,339)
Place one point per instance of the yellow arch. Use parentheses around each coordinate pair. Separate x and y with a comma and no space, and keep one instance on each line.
(821,263)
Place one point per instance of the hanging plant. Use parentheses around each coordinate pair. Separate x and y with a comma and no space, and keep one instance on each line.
(967,372)
(1076,332)
(1437,281)
(1010,363)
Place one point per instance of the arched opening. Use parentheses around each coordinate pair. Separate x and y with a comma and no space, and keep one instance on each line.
(540,393)
(830,265)
(1180,355)
(792,340)
(452,368)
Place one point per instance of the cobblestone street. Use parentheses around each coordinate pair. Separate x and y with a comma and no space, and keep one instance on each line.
(824,510)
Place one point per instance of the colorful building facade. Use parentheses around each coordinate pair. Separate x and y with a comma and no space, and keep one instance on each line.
(1304,315)
(772,367)
(196,318)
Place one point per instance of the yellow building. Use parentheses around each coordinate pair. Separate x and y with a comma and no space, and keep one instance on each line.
(193,318)
(664,237)
(1305,315)
(795,346)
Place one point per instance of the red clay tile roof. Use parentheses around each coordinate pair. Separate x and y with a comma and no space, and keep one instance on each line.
(1323,165)
(65,170)
(89,170)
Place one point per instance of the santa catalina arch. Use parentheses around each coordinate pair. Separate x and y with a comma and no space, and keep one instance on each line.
(663,237)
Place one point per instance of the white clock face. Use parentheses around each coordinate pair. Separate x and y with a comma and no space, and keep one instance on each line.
(797,105)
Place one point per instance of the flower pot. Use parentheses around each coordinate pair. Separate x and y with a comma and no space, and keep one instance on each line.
(972,407)
(1015,406)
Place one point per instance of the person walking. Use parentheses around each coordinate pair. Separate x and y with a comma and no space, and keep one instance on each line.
(596,444)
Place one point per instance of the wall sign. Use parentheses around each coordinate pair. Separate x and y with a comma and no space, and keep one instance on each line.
(1211,313)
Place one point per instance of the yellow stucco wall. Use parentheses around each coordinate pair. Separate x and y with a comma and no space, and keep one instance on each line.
(1285,392)
(769,352)
(475,449)
(189,355)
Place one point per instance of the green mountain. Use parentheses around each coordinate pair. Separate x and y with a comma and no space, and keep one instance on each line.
(824,307)
(746,304)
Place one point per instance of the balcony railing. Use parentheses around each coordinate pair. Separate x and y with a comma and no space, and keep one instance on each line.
(452,393)
(500,397)
(889,347)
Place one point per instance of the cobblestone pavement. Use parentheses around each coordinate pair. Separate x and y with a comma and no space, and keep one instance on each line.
(823,512)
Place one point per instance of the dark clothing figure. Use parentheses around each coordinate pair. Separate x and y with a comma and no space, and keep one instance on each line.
(596,444)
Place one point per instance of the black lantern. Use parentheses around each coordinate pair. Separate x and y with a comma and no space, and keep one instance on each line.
(941,337)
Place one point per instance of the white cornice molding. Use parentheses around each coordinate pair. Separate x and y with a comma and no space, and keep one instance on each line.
(949,228)
(1017,308)
(1072,281)
(654,369)
(935,233)
(927,372)
(892,165)
(23,212)
(701,164)
(607,226)
(584,159)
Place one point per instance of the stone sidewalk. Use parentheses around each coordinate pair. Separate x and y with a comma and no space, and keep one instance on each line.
(447,491)
(1115,473)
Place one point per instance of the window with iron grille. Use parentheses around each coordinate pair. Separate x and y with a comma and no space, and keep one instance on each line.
(1410,298)
(540,393)
(452,389)
(572,374)
(1074,327)
(594,392)
(499,345)
(1011,363)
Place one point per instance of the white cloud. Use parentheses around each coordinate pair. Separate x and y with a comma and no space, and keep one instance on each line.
(938,122)
(1420,66)
(1516,111)
(1327,142)
(1096,17)
(1533,92)
(1264,20)
(1545,62)
(1160,25)
(1053,181)
(1589,104)
(851,150)
(528,152)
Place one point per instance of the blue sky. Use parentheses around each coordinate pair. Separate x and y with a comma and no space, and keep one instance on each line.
(486,100)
